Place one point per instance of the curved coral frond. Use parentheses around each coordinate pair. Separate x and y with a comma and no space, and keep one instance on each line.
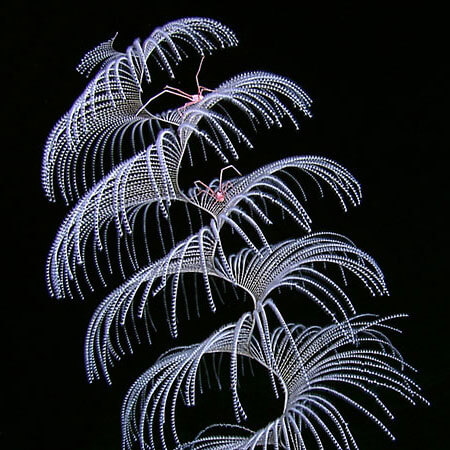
(262,186)
(262,97)
(131,299)
(173,377)
(149,177)
(301,264)
(319,369)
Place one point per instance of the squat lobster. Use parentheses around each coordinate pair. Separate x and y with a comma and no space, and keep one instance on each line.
(221,193)
(193,98)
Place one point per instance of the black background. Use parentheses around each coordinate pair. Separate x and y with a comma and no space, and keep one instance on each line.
(377,75)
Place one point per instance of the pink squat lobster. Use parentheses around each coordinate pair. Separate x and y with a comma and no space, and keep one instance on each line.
(193,98)
(221,193)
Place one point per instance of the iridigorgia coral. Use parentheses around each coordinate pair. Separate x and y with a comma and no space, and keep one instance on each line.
(120,163)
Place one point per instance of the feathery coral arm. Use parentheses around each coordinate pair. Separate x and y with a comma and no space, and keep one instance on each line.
(103,342)
(320,370)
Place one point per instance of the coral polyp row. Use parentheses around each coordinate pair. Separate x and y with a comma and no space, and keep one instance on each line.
(119,164)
